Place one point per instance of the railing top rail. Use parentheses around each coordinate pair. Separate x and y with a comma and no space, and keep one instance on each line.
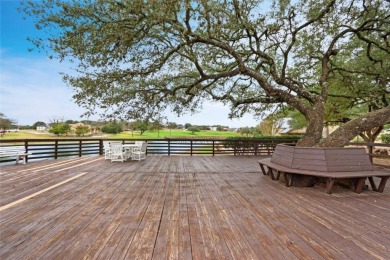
(169,139)
(139,139)
(370,144)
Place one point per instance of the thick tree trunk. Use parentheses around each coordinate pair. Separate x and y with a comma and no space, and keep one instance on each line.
(315,125)
(348,131)
(313,135)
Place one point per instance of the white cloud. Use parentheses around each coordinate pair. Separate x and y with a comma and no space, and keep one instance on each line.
(32,90)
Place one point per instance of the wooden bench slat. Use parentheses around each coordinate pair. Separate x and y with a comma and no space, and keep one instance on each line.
(350,168)
(309,156)
(336,174)
(357,173)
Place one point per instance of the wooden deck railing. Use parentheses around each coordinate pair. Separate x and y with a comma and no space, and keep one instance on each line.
(57,148)
(371,147)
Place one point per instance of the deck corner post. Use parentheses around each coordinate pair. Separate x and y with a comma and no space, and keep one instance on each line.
(80,147)
(370,151)
(56,149)
(100,146)
(26,148)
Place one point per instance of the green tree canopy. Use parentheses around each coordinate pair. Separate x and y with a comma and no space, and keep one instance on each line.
(112,127)
(270,126)
(193,129)
(142,126)
(172,125)
(137,58)
(82,130)
(245,131)
(59,128)
(5,122)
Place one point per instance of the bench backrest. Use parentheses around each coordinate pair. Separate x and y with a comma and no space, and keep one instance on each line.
(322,159)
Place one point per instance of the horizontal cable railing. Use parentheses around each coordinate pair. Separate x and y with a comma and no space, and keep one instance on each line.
(39,149)
(57,148)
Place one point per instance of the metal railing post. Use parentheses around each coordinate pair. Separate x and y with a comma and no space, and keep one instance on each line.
(80,147)
(26,148)
(56,149)
(101,147)
(371,151)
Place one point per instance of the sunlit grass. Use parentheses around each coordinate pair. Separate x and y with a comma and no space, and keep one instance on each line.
(171,133)
(25,135)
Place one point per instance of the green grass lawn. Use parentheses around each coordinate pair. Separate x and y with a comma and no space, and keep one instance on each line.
(172,133)
(31,134)
(25,135)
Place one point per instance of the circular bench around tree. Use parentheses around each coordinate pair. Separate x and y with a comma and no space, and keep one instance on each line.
(301,165)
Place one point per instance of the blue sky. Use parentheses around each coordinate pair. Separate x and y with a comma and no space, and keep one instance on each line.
(31,88)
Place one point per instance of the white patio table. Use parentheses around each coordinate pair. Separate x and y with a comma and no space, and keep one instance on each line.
(129,148)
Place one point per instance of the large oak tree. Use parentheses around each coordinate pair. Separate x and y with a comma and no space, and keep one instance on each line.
(137,58)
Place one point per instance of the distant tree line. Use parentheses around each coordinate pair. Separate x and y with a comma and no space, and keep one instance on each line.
(5,122)
(60,126)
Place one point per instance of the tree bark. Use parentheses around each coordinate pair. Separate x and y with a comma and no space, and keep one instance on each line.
(347,132)
(315,119)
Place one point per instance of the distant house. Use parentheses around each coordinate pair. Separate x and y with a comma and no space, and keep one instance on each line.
(41,128)
(219,128)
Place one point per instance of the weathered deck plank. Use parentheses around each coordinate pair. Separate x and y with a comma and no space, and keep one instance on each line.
(183,207)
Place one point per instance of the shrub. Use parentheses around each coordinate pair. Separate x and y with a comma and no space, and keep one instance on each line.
(82,130)
(244,144)
(263,137)
(193,129)
(111,128)
(385,138)
(60,128)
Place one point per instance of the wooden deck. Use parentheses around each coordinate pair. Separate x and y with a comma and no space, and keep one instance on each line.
(182,207)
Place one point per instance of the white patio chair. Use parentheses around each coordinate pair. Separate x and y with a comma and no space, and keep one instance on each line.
(139,143)
(139,153)
(107,150)
(117,153)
